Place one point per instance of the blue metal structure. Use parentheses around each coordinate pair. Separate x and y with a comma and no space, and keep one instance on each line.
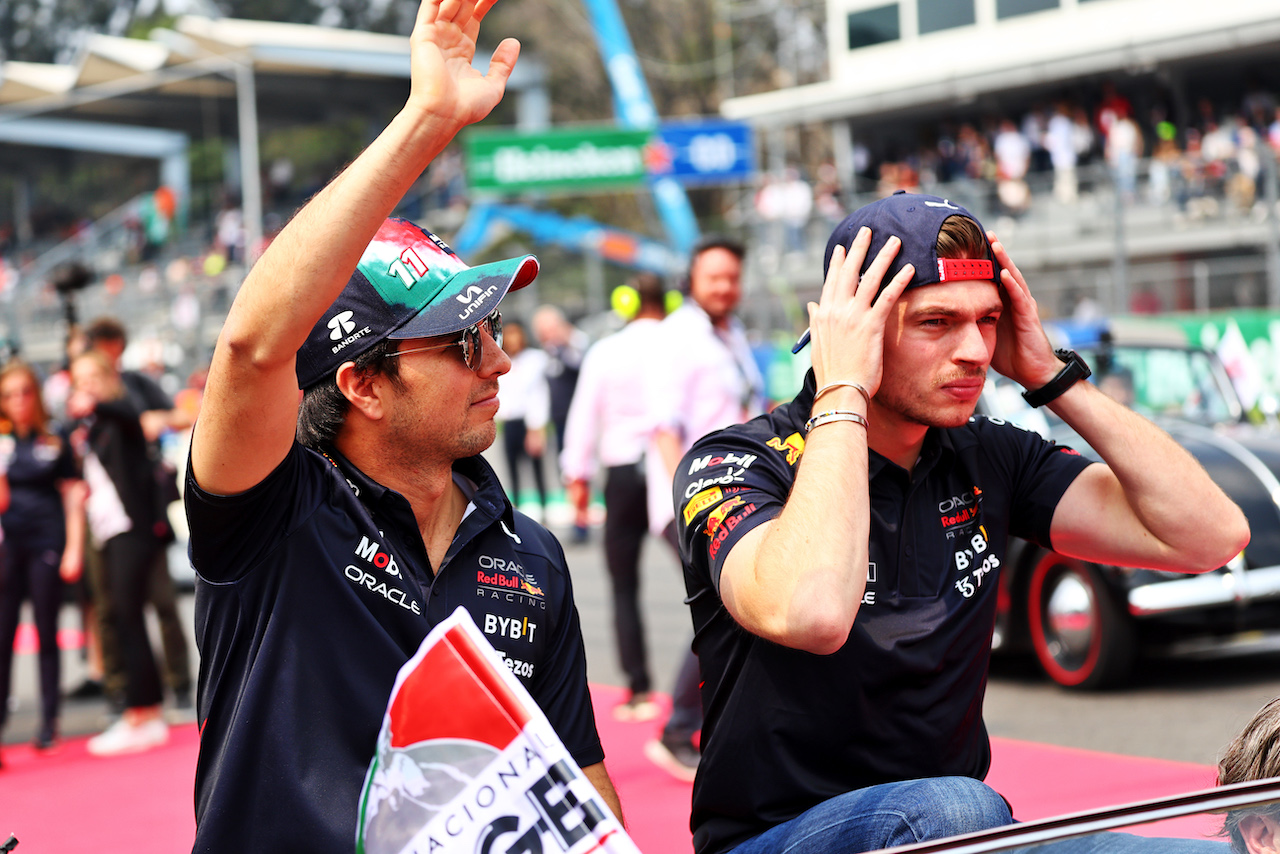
(634,107)
(576,233)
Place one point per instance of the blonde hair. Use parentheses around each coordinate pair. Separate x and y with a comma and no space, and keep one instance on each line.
(961,238)
(114,385)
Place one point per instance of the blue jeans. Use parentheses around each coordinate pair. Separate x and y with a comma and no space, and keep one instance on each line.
(902,813)
(884,816)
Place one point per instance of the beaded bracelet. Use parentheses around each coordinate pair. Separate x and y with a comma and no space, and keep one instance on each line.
(834,415)
(855,386)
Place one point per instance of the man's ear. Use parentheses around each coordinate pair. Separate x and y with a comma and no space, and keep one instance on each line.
(361,390)
(1260,834)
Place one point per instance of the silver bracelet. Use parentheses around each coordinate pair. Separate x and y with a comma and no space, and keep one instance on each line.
(855,386)
(834,415)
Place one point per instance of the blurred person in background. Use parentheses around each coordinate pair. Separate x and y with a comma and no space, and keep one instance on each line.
(43,533)
(526,404)
(122,518)
(159,418)
(610,423)
(1012,151)
(704,378)
(565,346)
(1059,141)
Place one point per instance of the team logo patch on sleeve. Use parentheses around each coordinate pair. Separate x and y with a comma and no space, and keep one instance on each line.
(792,446)
(704,499)
(717,516)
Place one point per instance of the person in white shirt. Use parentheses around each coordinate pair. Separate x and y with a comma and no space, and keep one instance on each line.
(705,379)
(526,407)
(610,423)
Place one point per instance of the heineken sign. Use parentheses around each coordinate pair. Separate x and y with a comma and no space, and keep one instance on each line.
(568,160)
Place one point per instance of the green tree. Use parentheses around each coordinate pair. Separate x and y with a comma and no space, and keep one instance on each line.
(49,30)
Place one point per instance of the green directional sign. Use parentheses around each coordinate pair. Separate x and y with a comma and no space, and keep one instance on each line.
(568,160)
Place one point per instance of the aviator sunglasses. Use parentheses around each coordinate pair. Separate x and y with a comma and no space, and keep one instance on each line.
(471,343)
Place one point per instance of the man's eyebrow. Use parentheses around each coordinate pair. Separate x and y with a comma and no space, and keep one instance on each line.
(950,311)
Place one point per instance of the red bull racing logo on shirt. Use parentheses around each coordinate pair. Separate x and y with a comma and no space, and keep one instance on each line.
(717,516)
(728,525)
(499,578)
(959,510)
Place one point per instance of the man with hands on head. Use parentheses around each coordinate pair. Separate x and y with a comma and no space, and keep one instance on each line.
(331,530)
(842,552)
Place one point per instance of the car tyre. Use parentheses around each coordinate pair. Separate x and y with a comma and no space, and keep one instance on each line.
(1080,631)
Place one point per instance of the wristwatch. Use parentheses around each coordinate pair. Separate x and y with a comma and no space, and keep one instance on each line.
(1075,370)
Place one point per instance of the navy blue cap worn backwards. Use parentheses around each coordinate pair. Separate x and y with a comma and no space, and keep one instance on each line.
(407,284)
(916,220)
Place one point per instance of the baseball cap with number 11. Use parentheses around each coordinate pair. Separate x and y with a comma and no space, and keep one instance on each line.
(407,284)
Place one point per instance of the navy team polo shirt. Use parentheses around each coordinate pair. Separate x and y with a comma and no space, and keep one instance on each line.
(312,589)
(786,730)
(37,463)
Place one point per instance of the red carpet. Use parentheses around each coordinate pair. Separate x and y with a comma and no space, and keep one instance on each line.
(1042,780)
(72,803)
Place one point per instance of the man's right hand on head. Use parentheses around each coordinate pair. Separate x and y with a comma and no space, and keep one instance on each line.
(847,324)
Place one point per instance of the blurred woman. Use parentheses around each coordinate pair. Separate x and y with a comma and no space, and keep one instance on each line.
(526,407)
(43,533)
(121,511)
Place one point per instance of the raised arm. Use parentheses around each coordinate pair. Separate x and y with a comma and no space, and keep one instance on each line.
(250,407)
(1152,504)
(798,579)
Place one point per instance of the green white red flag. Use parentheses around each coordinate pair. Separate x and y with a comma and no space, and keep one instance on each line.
(467,762)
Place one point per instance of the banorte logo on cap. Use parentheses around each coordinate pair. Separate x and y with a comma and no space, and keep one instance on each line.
(341,325)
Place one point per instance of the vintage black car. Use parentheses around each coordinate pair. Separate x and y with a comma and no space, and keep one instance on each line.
(1088,623)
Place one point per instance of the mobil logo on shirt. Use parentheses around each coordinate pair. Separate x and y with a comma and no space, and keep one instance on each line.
(373,552)
(698,464)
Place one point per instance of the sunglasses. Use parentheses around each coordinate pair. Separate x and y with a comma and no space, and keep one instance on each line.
(471,343)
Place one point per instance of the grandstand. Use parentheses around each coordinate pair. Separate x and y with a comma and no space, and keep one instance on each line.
(915,84)
(149,103)
(916,95)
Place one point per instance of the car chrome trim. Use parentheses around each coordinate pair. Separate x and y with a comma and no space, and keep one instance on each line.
(1237,796)
(1237,451)
(1199,591)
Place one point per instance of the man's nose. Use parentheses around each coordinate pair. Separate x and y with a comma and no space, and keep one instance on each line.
(494,361)
(972,346)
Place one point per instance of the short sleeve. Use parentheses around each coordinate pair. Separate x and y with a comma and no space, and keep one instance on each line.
(1038,471)
(729,483)
(230,534)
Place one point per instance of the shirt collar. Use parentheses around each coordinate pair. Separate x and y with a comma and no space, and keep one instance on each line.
(937,441)
(490,499)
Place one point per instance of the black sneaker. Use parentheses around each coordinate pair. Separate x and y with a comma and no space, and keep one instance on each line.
(89,689)
(678,757)
(46,740)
